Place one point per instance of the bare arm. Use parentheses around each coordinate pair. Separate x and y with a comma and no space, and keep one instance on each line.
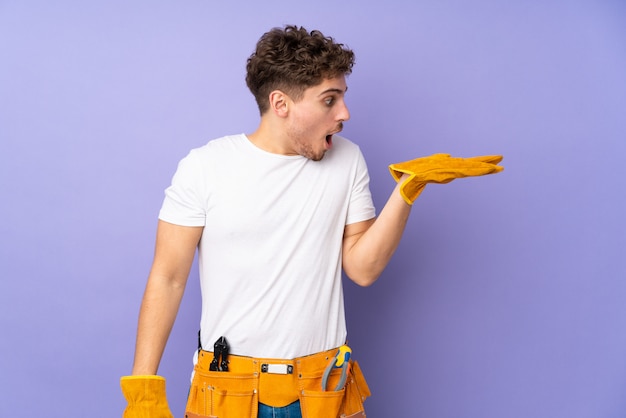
(369,245)
(174,254)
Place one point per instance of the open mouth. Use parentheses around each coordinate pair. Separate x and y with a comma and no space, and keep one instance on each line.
(329,137)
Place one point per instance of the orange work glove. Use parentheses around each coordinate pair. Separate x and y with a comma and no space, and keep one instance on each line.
(146,397)
(440,168)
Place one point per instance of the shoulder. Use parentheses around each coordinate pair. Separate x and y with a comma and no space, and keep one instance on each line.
(202,159)
(223,144)
(344,144)
(215,150)
(344,151)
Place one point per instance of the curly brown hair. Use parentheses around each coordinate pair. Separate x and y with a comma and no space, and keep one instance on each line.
(292,59)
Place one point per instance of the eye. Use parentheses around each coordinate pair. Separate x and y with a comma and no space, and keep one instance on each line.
(329,101)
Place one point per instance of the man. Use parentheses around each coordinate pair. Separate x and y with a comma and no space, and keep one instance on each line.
(275,215)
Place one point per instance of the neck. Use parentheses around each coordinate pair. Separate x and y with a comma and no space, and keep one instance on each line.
(270,138)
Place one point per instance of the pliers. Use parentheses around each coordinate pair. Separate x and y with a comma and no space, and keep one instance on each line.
(220,356)
(340,361)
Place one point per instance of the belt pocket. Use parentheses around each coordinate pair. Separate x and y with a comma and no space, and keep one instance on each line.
(315,402)
(321,404)
(222,395)
(357,391)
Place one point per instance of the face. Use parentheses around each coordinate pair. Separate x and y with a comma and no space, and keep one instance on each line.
(316,117)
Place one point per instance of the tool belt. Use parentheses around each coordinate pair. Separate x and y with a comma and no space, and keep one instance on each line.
(236,393)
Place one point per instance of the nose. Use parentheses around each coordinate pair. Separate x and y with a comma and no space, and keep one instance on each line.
(343,113)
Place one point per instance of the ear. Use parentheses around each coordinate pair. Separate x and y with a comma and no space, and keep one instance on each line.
(279,103)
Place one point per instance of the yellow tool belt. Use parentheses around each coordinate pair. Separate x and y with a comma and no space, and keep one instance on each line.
(275,382)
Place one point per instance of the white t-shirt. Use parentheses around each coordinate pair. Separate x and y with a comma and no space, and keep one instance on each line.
(270,252)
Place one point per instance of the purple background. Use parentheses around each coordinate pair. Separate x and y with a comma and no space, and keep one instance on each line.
(507,295)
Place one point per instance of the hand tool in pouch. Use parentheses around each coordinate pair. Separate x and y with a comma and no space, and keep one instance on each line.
(340,361)
(220,355)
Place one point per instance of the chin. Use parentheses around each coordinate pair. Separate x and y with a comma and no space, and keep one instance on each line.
(317,157)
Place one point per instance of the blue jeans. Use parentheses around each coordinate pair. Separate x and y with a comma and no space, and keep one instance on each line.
(289,411)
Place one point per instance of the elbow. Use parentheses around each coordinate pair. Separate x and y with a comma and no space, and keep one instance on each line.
(363,279)
(363,273)
(366,282)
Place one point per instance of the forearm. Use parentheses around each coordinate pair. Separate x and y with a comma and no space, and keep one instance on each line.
(156,318)
(368,255)
(174,253)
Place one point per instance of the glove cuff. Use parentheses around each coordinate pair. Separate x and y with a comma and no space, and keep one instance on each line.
(139,390)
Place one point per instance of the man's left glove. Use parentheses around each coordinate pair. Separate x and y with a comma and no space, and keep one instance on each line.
(146,397)
(440,168)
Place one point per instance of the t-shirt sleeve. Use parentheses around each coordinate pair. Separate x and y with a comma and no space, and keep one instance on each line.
(361,207)
(183,203)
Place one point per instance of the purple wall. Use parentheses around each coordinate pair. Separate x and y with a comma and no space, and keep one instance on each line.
(506,298)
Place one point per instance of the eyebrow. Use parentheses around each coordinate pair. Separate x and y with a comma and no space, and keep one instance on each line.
(333,90)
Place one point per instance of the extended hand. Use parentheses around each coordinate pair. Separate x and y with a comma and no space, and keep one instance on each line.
(440,168)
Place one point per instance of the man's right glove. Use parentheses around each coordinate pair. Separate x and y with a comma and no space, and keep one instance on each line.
(440,168)
(146,397)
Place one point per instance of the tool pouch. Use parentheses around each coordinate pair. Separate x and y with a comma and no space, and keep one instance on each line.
(222,395)
(235,394)
(347,402)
